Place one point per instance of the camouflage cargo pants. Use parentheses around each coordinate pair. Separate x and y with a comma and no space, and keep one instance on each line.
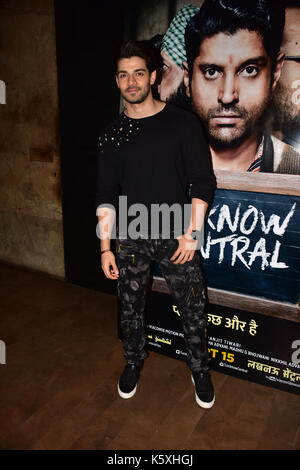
(186,284)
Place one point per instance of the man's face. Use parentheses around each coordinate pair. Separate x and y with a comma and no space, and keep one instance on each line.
(134,80)
(172,78)
(231,85)
(286,96)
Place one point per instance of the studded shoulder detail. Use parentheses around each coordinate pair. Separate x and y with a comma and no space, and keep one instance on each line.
(119,133)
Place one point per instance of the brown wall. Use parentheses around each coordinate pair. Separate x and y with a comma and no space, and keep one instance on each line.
(31,231)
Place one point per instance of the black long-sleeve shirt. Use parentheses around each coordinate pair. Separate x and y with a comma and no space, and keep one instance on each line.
(153,160)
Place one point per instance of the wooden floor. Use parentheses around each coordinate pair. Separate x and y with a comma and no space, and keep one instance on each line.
(63,360)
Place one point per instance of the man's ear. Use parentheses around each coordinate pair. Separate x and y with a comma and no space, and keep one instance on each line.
(152,77)
(117,80)
(186,79)
(278,68)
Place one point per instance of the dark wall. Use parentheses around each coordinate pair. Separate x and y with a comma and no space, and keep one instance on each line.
(88,38)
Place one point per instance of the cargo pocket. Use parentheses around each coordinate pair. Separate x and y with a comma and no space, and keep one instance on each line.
(122,250)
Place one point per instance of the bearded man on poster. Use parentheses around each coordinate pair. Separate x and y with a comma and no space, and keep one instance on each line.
(286,98)
(233,66)
(151,154)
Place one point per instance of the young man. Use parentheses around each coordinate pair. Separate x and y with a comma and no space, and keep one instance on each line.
(151,154)
(233,66)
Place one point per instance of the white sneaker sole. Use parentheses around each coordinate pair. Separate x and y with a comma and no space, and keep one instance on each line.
(203,404)
(126,395)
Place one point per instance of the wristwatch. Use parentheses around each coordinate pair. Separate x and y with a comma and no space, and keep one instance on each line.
(196,234)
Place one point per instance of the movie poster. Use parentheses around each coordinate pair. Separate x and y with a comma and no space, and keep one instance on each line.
(245,88)
(243,344)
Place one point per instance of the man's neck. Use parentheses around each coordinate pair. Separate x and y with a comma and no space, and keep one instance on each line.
(147,108)
(237,159)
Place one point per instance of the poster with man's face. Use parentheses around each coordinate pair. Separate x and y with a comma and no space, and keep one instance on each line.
(236,64)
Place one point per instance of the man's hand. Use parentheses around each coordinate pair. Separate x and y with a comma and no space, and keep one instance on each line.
(108,264)
(186,249)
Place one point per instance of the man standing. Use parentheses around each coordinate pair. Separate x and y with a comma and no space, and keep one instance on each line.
(151,154)
(233,66)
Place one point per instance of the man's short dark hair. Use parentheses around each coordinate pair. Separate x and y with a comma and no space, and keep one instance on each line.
(141,49)
(267,17)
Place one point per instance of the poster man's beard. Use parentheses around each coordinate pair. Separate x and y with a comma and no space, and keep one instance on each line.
(252,120)
(180,98)
(286,118)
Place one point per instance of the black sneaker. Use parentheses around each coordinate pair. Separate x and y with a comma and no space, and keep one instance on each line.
(128,381)
(204,390)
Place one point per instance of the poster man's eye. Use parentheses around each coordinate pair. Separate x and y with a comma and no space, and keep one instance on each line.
(212,73)
(250,71)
